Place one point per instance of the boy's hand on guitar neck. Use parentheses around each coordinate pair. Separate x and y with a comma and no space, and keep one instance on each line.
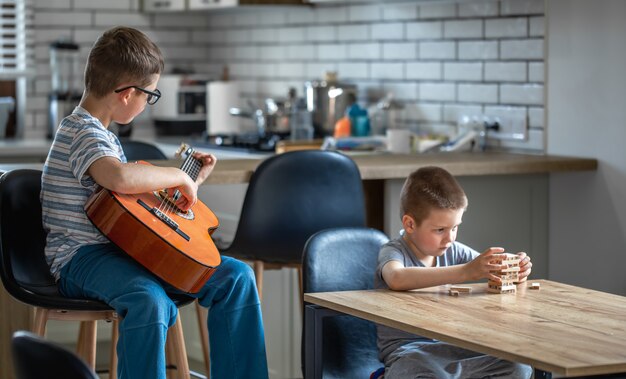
(189,189)
(208,164)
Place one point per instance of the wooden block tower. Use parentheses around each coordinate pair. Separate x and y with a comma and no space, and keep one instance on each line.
(508,275)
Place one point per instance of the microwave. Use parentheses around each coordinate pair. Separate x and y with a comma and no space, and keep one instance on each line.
(182,108)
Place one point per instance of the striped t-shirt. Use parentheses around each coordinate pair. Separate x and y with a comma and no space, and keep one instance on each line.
(65,185)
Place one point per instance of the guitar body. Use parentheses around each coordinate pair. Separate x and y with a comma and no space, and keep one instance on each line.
(180,252)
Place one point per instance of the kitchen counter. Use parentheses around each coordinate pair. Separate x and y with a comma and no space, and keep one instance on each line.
(381,166)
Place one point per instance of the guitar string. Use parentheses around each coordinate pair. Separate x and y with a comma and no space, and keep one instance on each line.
(192,167)
(165,206)
(170,205)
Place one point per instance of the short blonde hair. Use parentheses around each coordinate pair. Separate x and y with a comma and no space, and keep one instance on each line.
(430,188)
(121,55)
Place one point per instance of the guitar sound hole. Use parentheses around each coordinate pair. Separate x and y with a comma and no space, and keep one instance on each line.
(162,196)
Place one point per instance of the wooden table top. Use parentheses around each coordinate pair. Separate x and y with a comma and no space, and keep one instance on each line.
(559,328)
(399,166)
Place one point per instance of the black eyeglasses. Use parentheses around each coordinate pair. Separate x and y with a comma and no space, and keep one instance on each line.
(153,96)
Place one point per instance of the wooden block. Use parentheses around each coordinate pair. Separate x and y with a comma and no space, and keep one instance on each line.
(535,286)
(461,288)
(453,293)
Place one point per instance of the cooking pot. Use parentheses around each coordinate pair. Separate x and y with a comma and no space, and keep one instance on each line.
(327,101)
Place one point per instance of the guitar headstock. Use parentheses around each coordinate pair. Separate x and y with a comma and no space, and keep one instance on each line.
(185,150)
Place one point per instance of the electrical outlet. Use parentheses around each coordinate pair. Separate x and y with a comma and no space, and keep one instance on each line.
(511,127)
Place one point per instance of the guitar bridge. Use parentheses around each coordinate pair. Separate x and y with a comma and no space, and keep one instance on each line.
(167,220)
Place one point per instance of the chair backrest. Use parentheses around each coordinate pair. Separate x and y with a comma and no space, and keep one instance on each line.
(24,270)
(344,259)
(36,358)
(137,150)
(293,195)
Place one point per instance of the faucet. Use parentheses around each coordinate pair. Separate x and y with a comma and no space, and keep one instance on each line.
(258,116)
(487,126)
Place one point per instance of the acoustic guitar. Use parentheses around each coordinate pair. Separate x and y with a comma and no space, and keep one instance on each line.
(173,244)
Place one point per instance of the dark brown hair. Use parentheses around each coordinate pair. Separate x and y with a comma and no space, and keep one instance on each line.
(121,55)
(430,188)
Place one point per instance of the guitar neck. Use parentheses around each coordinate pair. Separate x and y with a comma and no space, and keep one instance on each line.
(190,165)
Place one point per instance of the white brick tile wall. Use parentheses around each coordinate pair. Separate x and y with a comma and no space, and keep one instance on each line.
(439,59)
(529,94)
(321,33)
(505,71)
(424,71)
(332,15)
(506,27)
(353,70)
(521,49)
(515,7)
(402,91)
(537,26)
(365,13)
(451,112)
(400,12)
(478,93)
(536,72)
(437,91)
(364,51)
(293,34)
(61,18)
(424,30)
(332,51)
(482,50)
(437,10)
(535,117)
(388,31)
(387,70)
(463,29)
(356,32)
(301,52)
(404,50)
(98,4)
(437,50)
(460,71)
(478,9)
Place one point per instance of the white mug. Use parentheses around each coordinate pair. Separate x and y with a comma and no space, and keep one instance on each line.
(399,141)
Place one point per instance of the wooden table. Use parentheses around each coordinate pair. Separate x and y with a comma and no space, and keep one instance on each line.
(559,329)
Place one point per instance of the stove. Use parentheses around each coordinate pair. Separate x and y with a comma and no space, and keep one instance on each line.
(251,142)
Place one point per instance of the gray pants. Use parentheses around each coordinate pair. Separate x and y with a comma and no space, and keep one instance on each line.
(439,360)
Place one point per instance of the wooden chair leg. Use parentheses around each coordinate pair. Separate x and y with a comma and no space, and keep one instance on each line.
(180,351)
(41,319)
(202,314)
(87,342)
(258,274)
(170,358)
(113,357)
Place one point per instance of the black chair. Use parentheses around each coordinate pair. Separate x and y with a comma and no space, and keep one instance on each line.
(26,276)
(290,197)
(137,150)
(36,358)
(342,259)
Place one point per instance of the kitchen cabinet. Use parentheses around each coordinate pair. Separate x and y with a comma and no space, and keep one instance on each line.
(218,4)
(163,5)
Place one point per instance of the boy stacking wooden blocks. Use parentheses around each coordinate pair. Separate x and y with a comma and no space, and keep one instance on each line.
(509,275)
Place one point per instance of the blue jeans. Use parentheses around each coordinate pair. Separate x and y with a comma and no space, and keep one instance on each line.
(235,325)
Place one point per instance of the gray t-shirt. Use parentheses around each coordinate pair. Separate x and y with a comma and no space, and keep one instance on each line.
(390,339)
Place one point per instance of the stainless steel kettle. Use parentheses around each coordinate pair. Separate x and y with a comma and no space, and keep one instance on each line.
(328,100)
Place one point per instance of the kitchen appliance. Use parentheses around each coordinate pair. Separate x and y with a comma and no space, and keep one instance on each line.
(182,110)
(66,85)
(328,100)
